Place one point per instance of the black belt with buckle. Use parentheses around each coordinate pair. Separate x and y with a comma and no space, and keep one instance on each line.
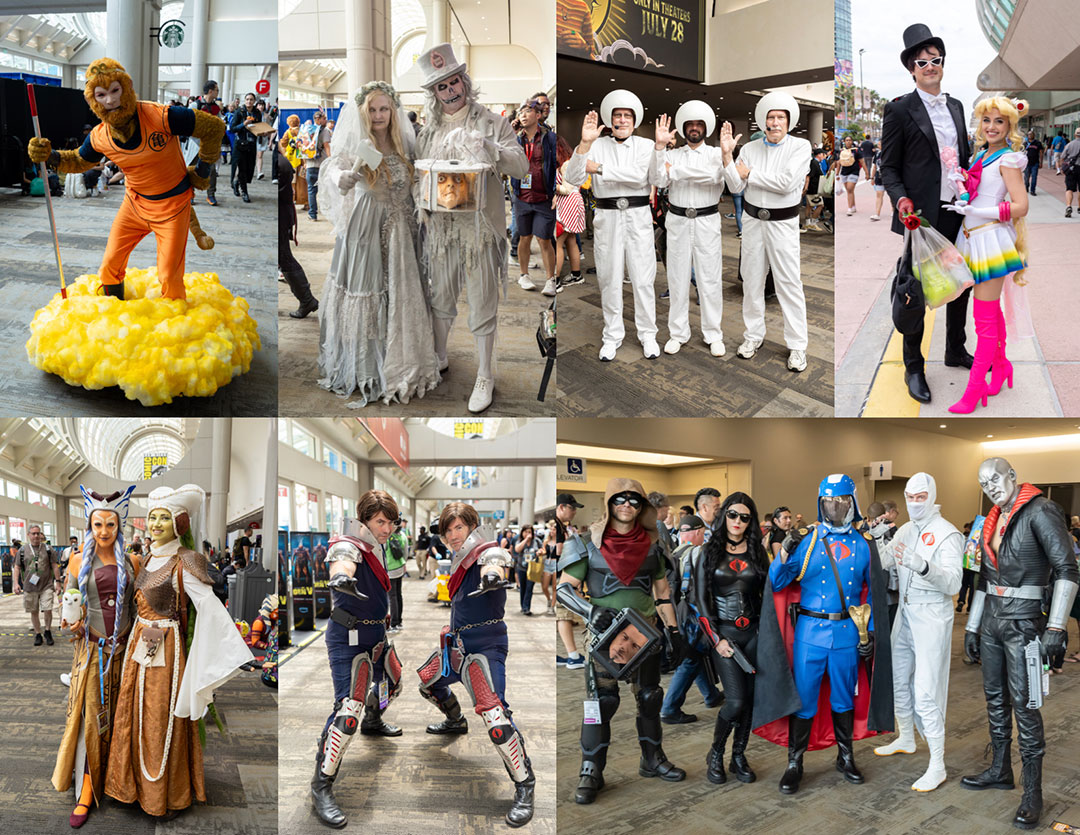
(621,202)
(350,622)
(691,212)
(770,214)
(824,615)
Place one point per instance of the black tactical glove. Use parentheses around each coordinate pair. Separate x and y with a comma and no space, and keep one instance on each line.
(679,647)
(491,581)
(792,540)
(1054,642)
(345,584)
(971,645)
(867,650)
(602,618)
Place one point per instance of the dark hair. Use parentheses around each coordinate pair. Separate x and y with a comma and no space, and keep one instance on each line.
(657,499)
(459,510)
(210,85)
(716,547)
(705,491)
(875,510)
(779,510)
(890,505)
(252,95)
(412,115)
(563,150)
(687,510)
(374,502)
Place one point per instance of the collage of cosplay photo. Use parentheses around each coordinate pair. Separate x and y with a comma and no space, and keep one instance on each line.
(489,415)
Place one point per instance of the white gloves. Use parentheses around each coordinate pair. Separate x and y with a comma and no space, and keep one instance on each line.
(967,210)
(348,180)
(910,560)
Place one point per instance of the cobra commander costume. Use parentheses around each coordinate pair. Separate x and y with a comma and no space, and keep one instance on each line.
(810,657)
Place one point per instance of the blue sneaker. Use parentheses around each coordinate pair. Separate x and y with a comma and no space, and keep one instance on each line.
(560,661)
(576,663)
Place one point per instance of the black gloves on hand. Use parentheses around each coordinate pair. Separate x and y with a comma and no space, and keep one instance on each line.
(602,618)
(345,584)
(971,645)
(678,644)
(867,650)
(1054,642)
(792,540)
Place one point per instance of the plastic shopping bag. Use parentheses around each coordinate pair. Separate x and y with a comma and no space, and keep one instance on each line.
(938,265)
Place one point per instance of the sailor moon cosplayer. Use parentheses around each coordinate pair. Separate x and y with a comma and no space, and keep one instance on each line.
(993,241)
(173,666)
(100,581)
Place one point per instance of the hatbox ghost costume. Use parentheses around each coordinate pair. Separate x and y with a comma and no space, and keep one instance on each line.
(374,318)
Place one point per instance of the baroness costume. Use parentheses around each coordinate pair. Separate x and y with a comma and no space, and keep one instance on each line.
(173,666)
(375,322)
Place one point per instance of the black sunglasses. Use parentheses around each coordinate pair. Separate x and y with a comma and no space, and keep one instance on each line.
(743,517)
(622,498)
(922,63)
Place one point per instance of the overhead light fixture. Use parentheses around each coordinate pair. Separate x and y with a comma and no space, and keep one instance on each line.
(1042,443)
(942,426)
(628,456)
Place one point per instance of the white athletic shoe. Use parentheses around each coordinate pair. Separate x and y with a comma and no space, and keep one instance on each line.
(850,212)
(651,349)
(748,348)
(875,217)
(551,287)
(672,346)
(717,348)
(526,283)
(905,739)
(607,351)
(796,361)
(482,393)
(65,679)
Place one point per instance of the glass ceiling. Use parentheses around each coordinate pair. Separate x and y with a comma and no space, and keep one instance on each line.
(127,448)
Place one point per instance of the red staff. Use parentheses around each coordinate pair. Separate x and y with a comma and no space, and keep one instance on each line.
(48,191)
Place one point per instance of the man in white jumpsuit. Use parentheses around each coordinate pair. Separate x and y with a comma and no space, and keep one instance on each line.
(621,168)
(466,248)
(928,554)
(694,175)
(771,172)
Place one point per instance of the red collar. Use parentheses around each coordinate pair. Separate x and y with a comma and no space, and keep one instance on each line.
(1027,493)
(458,577)
(372,561)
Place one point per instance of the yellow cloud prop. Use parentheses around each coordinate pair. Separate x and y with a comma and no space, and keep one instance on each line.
(153,348)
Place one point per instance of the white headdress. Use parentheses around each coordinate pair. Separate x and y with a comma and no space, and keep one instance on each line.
(695,110)
(777,100)
(623,99)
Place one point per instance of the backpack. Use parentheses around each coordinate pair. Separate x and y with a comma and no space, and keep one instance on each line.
(1072,165)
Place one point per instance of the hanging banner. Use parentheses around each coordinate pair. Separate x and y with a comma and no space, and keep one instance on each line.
(659,36)
(391,435)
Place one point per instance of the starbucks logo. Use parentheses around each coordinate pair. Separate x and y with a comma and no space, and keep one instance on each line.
(171,33)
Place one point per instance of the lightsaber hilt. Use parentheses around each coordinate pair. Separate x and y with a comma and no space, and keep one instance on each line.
(48,191)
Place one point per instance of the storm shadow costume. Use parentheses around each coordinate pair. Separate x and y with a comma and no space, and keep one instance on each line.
(728,595)
(792,693)
(363,662)
(472,650)
(619,571)
(1034,554)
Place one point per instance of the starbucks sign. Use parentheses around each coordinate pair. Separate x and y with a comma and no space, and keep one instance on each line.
(171,33)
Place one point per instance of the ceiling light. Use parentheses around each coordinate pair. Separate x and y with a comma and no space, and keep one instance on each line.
(989,436)
(941,426)
(627,456)
(1042,443)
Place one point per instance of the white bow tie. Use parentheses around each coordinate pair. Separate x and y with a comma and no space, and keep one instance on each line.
(937,101)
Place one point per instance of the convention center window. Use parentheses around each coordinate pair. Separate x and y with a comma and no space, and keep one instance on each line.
(337,462)
(3,530)
(39,499)
(284,507)
(49,530)
(15,491)
(303,442)
(17,527)
(76,511)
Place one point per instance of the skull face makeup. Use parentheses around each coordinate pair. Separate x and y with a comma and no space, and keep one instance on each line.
(998,481)
(453,190)
(451,93)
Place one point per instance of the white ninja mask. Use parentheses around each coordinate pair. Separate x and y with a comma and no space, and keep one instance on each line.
(451,94)
(920,483)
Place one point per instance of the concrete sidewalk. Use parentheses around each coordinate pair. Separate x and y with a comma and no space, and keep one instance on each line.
(869,369)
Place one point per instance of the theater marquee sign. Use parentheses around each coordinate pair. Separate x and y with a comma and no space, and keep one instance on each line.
(661,36)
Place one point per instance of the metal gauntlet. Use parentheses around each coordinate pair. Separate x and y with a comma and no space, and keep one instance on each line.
(1061,603)
(975,612)
(574,602)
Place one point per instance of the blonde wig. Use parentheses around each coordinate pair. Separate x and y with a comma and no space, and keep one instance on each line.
(1011,109)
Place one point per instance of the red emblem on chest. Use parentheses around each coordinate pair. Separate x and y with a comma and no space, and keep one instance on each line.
(928,539)
(839,551)
(738,566)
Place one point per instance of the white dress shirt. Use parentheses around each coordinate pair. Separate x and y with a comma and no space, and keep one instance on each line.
(627,167)
(945,132)
(694,177)
(777,172)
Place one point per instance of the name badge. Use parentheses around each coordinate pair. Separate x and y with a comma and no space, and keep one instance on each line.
(354,638)
(592,711)
(34,579)
(526,181)
(384,694)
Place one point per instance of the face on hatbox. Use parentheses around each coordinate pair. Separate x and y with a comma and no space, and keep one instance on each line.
(453,190)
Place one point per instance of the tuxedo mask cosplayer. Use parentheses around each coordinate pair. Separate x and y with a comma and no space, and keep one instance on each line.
(998,481)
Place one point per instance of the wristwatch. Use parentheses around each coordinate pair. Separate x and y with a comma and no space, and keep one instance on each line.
(600,169)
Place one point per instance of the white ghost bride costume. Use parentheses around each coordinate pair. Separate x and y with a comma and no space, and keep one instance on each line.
(375,334)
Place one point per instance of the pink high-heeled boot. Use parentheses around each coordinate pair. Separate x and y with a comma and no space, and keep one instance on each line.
(1002,370)
(986,329)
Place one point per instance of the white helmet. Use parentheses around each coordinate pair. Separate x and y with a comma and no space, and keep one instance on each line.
(621,99)
(777,100)
(695,110)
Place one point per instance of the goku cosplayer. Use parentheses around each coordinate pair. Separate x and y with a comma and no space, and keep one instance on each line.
(824,578)
(142,138)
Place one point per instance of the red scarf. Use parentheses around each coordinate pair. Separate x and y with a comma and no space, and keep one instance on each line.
(625,552)
(1026,493)
(458,577)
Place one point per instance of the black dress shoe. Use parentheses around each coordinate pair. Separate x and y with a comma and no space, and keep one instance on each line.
(679,718)
(304,309)
(48,638)
(521,810)
(449,726)
(378,727)
(917,386)
(965,360)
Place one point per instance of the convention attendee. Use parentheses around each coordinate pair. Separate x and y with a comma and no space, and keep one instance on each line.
(245,146)
(290,268)
(312,166)
(928,553)
(1026,547)
(35,574)
(397,553)
(769,174)
(623,566)
(525,550)
(208,104)
(423,543)
(476,648)
(781,518)
(620,167)
(566,507)
(534,196)
(466,249)
(363,662)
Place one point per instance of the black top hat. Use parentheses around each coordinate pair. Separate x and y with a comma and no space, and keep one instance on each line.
(916,36)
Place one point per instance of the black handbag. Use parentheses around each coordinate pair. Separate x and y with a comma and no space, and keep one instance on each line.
(908,301)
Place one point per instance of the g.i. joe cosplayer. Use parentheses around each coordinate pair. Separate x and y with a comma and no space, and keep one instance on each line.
(621,170)
(770,175)
(363,663)
(141,138)
(927,552)
(624,567)
(467,248)
(103,578)
(816,576)
(1026,546)
(473,648)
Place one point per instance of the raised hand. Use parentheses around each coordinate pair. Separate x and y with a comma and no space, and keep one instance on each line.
(590,128)
(727,141)
(665,133)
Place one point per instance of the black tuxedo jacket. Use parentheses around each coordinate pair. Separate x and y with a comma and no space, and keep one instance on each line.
(910,158)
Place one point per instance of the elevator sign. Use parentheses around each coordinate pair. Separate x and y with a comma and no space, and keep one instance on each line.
(570,469)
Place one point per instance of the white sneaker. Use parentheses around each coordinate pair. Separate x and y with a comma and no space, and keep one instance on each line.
(672,346)
(748,348)
(607,351)
(796,361)
(65,679)
(651,349)
(526,283)
(481,394)
(717,348)
(875,217)
(551,287)
(850,212)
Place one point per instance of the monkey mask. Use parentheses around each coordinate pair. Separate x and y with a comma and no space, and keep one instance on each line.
(104,73)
